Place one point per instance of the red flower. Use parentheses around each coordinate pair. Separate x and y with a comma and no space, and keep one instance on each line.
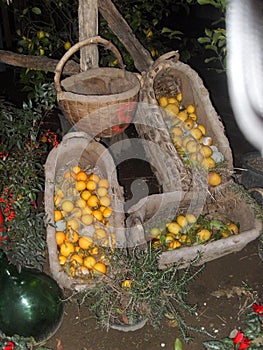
(258,308)
(245,343)
(239,337)
(10,346)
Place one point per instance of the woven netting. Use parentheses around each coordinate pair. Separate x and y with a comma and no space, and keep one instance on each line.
(78,149)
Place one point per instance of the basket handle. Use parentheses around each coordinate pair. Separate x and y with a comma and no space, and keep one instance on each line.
(89,41)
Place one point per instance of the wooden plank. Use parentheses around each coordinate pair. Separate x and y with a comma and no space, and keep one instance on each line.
(88,27)
(142,58)
(36,62)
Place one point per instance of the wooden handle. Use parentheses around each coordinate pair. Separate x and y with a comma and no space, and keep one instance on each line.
(89,41)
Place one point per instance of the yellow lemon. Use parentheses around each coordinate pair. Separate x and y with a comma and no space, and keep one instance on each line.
(172,109)
(173,227)
(93,201)
(85,194)
(100,267)
(214,179)
(67,45)
(100,233)
(208,163)
(181,220)
(233,227)
(80,185)
(196,133)
(76,258)
(190,108)
(89,261)
(179,97)
(191,219)
(206,150)
(188,124)
(204,235)
(163,101)
(173,100)
(62,259)
(94,177)
(193,116)
(97,215)
(175,244)
(60,237)
(192,146)
(182,115)
(102,191)
(91,185)
(66,249)
(177,131)
(87,219)
(105,201)
(58,215)
(76,169)
(107,212)
(67,205)
(103,183)
(85,242)
(81,203)
(73,224)
(126,284)
(202,128)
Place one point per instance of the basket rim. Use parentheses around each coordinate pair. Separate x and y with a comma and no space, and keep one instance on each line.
(124,95)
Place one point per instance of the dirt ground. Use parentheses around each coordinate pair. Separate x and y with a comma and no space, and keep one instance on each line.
(236,278)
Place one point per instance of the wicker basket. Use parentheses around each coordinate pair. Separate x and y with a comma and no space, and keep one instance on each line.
(77,148)
(99,101)
(167,77)
(232,203)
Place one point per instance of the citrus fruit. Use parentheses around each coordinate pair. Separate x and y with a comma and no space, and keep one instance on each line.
(196,133)
(179,97)
(67,45)
(80,185)
(89,261)
(100,233)
(100,267)
(233,227)
(107,212)
(72,236)
(206,150)
(169,238)
(173,227)
(76,169)
(87,219)
(102,191)
(193,116)
(103,183)
(76,213)
(190,108)
(85,194)
(208,163)
(94,177)
(182,115)
(81,203)
(62,259)
(188,124)
(73,224)
(85,242)
(202,128)
(91,185)
(94,250)
(93,201)
(60,237)
(191,219)
(177,131)
(67,205)
(213,178)
(126,284)
(163,101)
(76,258)
(172,109)
(181,220)
(86,210)
(174,244)
(58,215)
(173,100)
(105,201)
(81,176)
(70,176)
(66,248)
(192,146)
(204,235)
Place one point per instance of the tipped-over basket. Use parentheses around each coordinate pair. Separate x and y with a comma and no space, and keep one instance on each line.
(166,78)
(99,101)
(78,149)
(229,204)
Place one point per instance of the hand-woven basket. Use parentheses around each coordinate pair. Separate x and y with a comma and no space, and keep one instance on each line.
(99,101)
(231,203)
(167,77)
(78,148)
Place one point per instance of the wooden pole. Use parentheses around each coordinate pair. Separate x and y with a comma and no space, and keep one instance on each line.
(88,27)
(142,58)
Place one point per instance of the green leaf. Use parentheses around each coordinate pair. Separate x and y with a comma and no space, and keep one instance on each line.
(178,344)
(36,10)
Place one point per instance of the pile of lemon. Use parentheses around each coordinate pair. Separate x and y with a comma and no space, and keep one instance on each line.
(82,209)
(189,136)
(187,230)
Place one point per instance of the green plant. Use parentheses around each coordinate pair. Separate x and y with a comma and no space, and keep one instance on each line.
(136,289)
(214,40)
(24,145)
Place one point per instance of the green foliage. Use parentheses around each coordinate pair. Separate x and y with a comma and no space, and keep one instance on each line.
(152,294)
(22,154)
(214,40)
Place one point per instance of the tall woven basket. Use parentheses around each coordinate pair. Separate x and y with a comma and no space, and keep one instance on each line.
(99,101)
(168,77)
